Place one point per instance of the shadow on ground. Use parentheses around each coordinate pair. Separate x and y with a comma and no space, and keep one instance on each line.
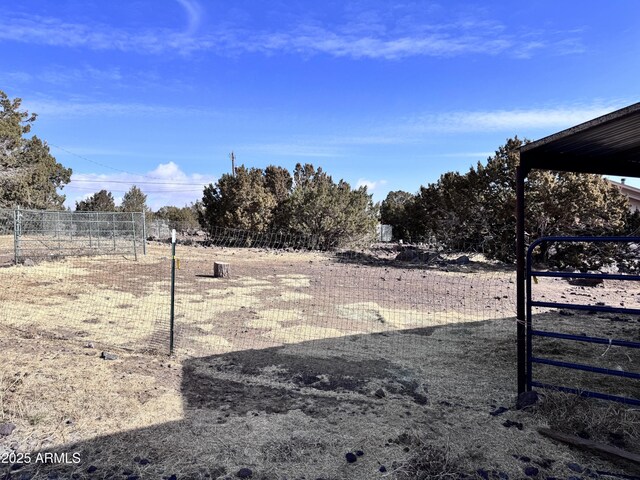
(408,405)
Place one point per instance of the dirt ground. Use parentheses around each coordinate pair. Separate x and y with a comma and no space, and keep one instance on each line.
(290,365)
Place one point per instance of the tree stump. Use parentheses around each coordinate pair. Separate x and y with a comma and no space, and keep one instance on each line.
(220,270)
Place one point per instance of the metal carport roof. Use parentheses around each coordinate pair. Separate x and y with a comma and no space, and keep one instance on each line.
(606,145)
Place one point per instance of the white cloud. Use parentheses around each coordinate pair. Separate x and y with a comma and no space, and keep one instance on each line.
(313,40)
(17,77)
(480,155)
(508,120)
(59,75)
(194,14)
(35,29)
(370,184)
(167,184)
(347,38)
(82,109)
(417,129)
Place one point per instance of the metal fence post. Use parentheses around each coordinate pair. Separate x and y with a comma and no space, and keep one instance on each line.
(90,232)
(113,228)
(173,288)
(521,331)
(133,226)
(98,222)
(144,233)
(58,231)
(16,235)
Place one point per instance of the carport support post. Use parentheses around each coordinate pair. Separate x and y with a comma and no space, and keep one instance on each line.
(521,173)
(173,285)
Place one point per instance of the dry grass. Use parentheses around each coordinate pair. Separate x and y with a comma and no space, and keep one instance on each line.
(278,368)
(116,301)
(605,422)
(426,461)
(256,408)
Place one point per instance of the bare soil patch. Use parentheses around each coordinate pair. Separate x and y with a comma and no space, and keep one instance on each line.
(287,367)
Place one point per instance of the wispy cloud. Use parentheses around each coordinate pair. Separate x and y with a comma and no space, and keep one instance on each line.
(167,184)
(63,75)
(508,120)
(35,29)
(479,155)
(194,14)
(309,40)
(292,150)
(362,35)
(384,132)
(75,108)
(418,129)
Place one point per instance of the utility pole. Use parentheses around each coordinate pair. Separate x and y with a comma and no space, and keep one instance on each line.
(233,163)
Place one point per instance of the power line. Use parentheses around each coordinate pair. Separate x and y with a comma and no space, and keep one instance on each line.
(138,183)
(141,182)
(85,189)
(102,164)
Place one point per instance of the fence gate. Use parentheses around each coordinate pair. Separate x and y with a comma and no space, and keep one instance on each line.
(532,332)
(40,234)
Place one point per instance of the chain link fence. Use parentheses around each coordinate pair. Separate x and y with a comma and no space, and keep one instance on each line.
(42,234)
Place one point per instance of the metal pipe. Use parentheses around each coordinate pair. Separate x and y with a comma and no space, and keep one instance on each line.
(173,288)
(587,308)
(588,394)
(586,368)
(144,233)
(16,235)
(529,321)
(584,338)
(520,280)
(133,226)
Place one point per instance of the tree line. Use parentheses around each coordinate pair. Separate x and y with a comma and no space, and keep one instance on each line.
(475,211)
(460,211)
(309,203)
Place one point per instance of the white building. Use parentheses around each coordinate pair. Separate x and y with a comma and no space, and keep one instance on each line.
(632,193)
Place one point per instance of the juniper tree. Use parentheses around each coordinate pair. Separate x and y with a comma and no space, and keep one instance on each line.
(134,200)
(101,201)
(29,175)
(240,201)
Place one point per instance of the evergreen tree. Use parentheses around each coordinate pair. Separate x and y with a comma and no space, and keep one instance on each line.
(397,210)
(477,210)
(29,175)
(332,212)
(279,182)
(101,201)
(179,218)
(240,201)
(134,201)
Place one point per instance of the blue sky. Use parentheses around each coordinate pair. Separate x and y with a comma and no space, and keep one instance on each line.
(386,94)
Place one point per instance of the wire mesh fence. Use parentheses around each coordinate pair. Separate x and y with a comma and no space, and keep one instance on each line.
(293,294)
(41,234)
(7,239)
(279,289)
